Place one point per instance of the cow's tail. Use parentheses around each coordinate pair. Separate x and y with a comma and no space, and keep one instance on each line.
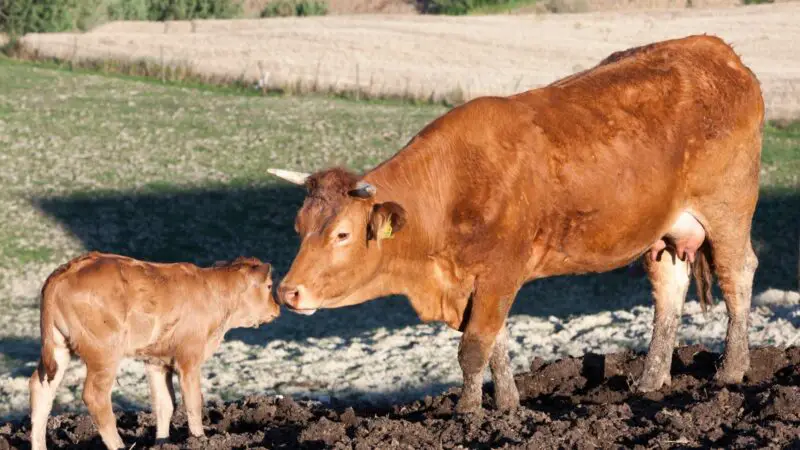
(48,365)
(703,277)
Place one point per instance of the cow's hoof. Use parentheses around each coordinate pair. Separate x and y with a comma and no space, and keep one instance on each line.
(652,383)
(161,441)
(507,401)
(468,405)
(726,376)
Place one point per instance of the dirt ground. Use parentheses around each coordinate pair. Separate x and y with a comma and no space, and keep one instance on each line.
(574,403)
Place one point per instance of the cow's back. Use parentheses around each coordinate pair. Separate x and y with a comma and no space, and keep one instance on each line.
(694,88)
(632,142)
(103,301)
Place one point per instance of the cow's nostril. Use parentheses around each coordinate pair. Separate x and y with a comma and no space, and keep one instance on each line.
(287,294)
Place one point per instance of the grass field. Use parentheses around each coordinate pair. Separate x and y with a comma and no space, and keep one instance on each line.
(176,173)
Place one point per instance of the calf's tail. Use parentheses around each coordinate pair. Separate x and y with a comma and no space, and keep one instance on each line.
(47,325)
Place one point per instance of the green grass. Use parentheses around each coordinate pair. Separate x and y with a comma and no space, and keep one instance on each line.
(781,156)
(72,137)
(471,7)
(502,8)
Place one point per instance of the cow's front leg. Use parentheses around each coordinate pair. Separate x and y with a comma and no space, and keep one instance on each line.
(506,395)
(486,319)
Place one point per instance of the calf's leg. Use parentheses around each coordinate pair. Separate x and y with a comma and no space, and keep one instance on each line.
(486,319)
(97,396)
(43,392)
(670,279)
(162,393)
(506,395)
(189,374)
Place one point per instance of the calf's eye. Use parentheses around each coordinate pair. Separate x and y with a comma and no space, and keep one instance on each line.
(342,236)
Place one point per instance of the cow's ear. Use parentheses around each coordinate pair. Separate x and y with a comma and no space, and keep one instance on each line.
(386,220)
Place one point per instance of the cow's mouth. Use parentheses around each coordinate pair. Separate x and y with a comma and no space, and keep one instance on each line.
(301,311)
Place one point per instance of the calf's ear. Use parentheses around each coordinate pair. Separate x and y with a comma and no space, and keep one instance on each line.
(385,221)
(265,268)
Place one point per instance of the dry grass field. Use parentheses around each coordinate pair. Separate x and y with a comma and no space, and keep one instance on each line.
(425,57)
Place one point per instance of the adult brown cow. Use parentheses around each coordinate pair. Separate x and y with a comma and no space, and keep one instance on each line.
(655,152)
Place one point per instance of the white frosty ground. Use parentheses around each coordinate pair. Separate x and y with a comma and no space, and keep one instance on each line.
(377,351)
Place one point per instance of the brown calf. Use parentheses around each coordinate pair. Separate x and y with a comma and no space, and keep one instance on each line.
(105,307)
(655,151)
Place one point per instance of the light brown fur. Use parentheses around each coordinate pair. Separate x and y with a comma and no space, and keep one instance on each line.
(584,175)
(105,307)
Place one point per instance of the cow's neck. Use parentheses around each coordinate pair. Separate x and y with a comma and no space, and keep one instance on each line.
(435,288)
(414,263)
(416,179)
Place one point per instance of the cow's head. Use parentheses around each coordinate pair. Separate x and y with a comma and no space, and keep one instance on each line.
(341,227)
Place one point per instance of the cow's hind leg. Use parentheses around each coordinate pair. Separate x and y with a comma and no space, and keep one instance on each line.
(735,265)
(670,280)
(487,316)
(506,395)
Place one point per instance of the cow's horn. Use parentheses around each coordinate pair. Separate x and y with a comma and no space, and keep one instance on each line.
(290,175)
(363,190)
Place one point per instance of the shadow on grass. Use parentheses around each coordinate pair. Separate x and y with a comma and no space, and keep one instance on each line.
(207,225)
(17,353)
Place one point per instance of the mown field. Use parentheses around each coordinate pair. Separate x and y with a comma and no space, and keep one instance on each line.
(179,173)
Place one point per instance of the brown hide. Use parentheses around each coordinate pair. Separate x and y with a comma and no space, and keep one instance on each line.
(111,306)
(106,307)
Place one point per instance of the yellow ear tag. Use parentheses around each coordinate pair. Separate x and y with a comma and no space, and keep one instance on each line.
(386,231)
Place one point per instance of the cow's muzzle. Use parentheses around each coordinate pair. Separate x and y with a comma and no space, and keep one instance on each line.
(296,299)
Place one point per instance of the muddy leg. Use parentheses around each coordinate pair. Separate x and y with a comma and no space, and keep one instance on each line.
(487,317)
(669,277)
(42,394)
(97,396)
(192,397)
(162,395)
(735,271)
(506,395)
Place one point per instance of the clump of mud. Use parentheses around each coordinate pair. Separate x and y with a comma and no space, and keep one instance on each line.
(571,403)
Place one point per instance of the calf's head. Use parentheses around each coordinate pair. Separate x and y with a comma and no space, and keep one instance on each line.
(341,227)
(255,304)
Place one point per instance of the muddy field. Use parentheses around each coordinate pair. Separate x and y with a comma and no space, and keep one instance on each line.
(573,402)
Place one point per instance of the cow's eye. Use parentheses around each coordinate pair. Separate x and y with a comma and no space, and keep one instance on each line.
(342,236)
